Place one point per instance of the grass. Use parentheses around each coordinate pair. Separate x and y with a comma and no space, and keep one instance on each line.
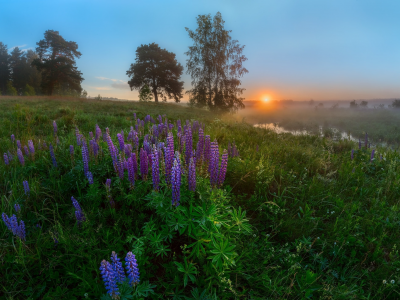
(296,217)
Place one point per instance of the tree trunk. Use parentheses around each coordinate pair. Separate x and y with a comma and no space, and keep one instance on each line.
(155,95)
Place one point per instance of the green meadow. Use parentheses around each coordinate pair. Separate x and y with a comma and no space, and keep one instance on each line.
(297,216)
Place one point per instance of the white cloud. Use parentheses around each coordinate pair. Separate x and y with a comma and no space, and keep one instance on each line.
(12,48)
(112,79)
(121,86)
(100,88)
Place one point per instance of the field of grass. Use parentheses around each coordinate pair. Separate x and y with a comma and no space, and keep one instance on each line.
(296,217)
(382,125)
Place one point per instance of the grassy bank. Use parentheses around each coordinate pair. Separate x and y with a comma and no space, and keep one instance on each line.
(296,217)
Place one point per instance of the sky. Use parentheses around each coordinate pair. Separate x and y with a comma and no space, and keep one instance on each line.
(296,49)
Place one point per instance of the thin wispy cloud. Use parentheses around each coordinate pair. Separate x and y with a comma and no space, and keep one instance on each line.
(21,46)
(100,88)
(121,86)
(112,79)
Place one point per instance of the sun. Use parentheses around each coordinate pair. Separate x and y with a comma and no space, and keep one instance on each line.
(266,99)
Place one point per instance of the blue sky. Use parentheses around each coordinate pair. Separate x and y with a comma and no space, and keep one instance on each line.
(296,49)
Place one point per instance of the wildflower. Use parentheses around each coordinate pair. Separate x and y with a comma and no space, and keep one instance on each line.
(26,150)
(169,157)
(71,150)
(155,166)
(80,217)
(132,268)
(85,157)
(135,166)
(112,149)
(19,144)
(6,161)
(26,187)
(120,167)
(55,127)
(223,168)
(12,138)
(91,134)
(131,171)
(89,176)
(384,281)
(31,147)
(207,148)
(17,207)
(213,165)
(117,266)
(53,157)
(97,133)
(143,164)
(192,175)
(200,146)
(121,141)
(372,155)
(392,281)
(188,145)
(176,180)
(12,225)
(38,226)
(108,184)
(109,279)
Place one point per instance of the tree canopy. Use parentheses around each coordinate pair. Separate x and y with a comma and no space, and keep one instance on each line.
(57,64)
(4,68)
(215,65)
(158,69)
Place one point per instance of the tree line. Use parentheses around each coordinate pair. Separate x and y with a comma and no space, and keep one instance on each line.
(214,64)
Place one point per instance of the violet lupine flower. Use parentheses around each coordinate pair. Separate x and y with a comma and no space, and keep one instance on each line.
(117,266)
(108,185)
(6,161)
(200,146)
(18,144)
(14,227)
(97,133)
(17,207)
(120,167)
(223,168)
(207,148)
(26,150)
(188,145)
(366,140)
(91,135)
(176,180)
(31,147)
(192,175)
(53,157)
(132,268)
(109,278)
(143,164)
(134,116)
(113,151)
(20,157)
(80,217)
(55,127)
(352,154)
(128,150)
(89,176)
(121,141)
(71,150)
(372,154)
(155,166)
(26,187)
(135,166)
(85,157)
(213,165)
(131,171)
(12,138)
(10,156)
(169,157)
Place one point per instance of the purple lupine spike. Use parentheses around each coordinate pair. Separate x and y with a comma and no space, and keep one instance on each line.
(13,226)
(207,148)
(223,168)
(132,269)
(352,154)
(97,133)
(19,144)
(91,135)
(85,157)
(26,150)
(71,150)
(10,156)
(200,146)
(131,171)
(108,184)
(17,207)
(7,221)
(117,266)
(134,116)
(31,147)
(192,174)
(372,155)
(176,180)
(169,157)
(6,161)
(112,150)
(21,230)
(213,165)
(80,217)
(55,127)
(53,157)
(121,141)
(135,166)
(155,169)
(120,167)
(20,157)
(128,150)
(12,138)
(109,278)
(89,176)
(26,187)
(143,164)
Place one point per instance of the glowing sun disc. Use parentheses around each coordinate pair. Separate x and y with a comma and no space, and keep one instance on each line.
(266,99)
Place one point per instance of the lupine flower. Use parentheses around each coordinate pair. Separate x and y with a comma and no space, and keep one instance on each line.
(207,148)
(12,225)
(131,171)
(91,135)
(223,168)
(372,154)
(85,157)
(20,157)
(26,187)
(135,166)
(89,176)
(98,133)
(176,180)
(192,175)
(17,207)
(117,266)
(213,165)
(71,150)
(134,116)
(80,217)
(121,141)
(10,156)
(108,274)
(55,127)
(352,154)
(132,268)
(113,151)
(38,225)
(6,161)
(53,157)
(169,157)
(143,164)
(188,145)
(12,138)
(155,169)
(120,167)
(19,144)
(128,150)
(26,150)
(200,146)
(31,147)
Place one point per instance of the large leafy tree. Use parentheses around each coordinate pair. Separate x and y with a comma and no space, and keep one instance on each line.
(215,65)
(158,69)
(57,64)
(4,68)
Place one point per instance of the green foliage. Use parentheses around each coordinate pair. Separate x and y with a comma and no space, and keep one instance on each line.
(145,94)
(396,103)
(10,89)
(29,91)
